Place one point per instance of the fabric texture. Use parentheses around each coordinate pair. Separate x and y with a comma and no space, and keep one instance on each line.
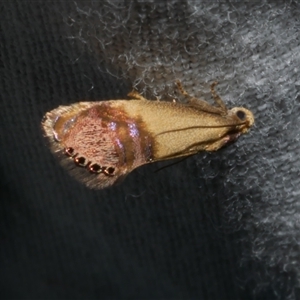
(223,225)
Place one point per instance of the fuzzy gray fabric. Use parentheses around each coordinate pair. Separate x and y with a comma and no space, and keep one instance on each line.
(253,51)
(240,204)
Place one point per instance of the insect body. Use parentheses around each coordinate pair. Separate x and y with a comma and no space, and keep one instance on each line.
(101,142)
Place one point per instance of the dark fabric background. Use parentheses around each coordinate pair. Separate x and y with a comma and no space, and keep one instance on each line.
(216,226)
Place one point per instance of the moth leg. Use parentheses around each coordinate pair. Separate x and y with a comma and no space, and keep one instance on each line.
(182,90)
(229,138)
(192,100)
(216,97)
(200,104)
(218,144)
(136,95)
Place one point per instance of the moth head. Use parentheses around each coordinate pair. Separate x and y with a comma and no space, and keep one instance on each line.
(244,118)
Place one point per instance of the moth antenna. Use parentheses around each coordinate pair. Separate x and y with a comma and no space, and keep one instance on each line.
(201,104)
(217,98)
(209,126)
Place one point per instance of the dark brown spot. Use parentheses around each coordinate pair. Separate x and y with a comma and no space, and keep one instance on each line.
(80,161)
(95,168)
(109,171)
(69,151)
(241,115)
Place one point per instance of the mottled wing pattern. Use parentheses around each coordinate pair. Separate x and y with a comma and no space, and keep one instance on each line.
(83,136)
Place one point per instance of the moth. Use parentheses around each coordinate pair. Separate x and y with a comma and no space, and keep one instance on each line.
(102,142)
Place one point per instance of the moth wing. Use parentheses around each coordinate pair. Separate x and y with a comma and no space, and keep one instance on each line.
(93,181)
(100,142)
